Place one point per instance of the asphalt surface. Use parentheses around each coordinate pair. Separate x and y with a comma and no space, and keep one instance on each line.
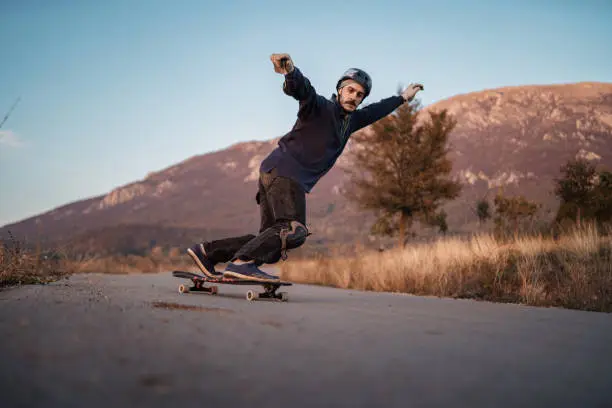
(134,341)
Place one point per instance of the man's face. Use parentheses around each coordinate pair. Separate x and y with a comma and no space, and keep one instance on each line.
(351,95)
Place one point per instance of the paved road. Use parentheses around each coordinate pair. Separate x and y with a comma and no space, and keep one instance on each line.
(111,341)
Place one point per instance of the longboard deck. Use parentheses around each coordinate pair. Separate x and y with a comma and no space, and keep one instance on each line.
(199,280)
(229,281)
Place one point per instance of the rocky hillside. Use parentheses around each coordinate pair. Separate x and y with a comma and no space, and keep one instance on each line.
(515,137)
(519,137)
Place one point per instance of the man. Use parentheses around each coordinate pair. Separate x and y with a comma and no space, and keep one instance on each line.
(302,157)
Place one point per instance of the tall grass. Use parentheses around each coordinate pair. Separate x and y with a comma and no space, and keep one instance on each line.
(20,265)
(125,264)
(574,271)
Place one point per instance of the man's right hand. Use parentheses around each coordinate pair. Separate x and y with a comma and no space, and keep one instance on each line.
(282,63)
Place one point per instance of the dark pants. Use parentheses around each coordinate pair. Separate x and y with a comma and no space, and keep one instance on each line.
(281,200)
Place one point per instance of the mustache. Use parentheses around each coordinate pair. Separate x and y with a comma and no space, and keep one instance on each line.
(352,103)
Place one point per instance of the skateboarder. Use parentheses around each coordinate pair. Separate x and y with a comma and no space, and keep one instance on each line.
(302,157)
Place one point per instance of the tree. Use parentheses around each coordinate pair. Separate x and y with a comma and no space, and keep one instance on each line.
(575,190)
(483,210)
(584,192)
(512,212)
(439,220)
(603,198)
(400,170)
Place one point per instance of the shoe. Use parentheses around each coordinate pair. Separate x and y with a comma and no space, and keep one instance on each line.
(198,254)
(248,271)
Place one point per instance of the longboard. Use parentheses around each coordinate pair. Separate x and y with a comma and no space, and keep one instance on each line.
(199,282)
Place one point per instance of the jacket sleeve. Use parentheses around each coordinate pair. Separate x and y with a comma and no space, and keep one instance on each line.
(299,87)
(371,113)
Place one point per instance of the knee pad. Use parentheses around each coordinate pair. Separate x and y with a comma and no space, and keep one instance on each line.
(292,236)
(273,243)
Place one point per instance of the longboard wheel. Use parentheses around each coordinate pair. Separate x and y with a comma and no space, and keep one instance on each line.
(214,290)
(250,295)
(284,296)
(183,289)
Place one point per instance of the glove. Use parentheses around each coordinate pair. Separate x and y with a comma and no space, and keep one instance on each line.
(411,91)
(282,63)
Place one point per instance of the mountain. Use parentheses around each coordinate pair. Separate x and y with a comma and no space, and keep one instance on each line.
(519,137)
(511,137)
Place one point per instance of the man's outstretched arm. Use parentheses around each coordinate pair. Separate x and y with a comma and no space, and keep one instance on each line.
(371,113)
(296,84)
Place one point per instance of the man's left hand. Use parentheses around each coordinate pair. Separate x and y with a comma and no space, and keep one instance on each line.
(411,91)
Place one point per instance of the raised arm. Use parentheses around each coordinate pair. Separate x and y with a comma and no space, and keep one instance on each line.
(296,84)
(371,113)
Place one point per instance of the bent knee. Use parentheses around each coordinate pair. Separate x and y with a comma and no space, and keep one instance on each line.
(294,234)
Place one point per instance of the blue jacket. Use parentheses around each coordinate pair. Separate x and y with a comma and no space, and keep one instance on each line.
(320,133)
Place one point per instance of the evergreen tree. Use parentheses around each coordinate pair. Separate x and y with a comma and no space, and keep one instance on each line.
(575,189)
(400,170)
(511,212)
(603,198)
(584,192)
(483,211)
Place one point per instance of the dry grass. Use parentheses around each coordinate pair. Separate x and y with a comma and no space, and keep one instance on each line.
(25,266)
(574,271)
(125,264)
(21,266)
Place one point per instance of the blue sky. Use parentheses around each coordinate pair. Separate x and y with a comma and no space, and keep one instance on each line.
(112,90)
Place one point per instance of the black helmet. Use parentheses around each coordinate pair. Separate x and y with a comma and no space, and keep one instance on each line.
(358,76)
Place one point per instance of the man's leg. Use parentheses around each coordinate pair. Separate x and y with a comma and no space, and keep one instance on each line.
(207,254)
(266,212)
(286,201)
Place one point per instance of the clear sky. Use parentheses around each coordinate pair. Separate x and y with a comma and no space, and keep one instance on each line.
(111,90)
